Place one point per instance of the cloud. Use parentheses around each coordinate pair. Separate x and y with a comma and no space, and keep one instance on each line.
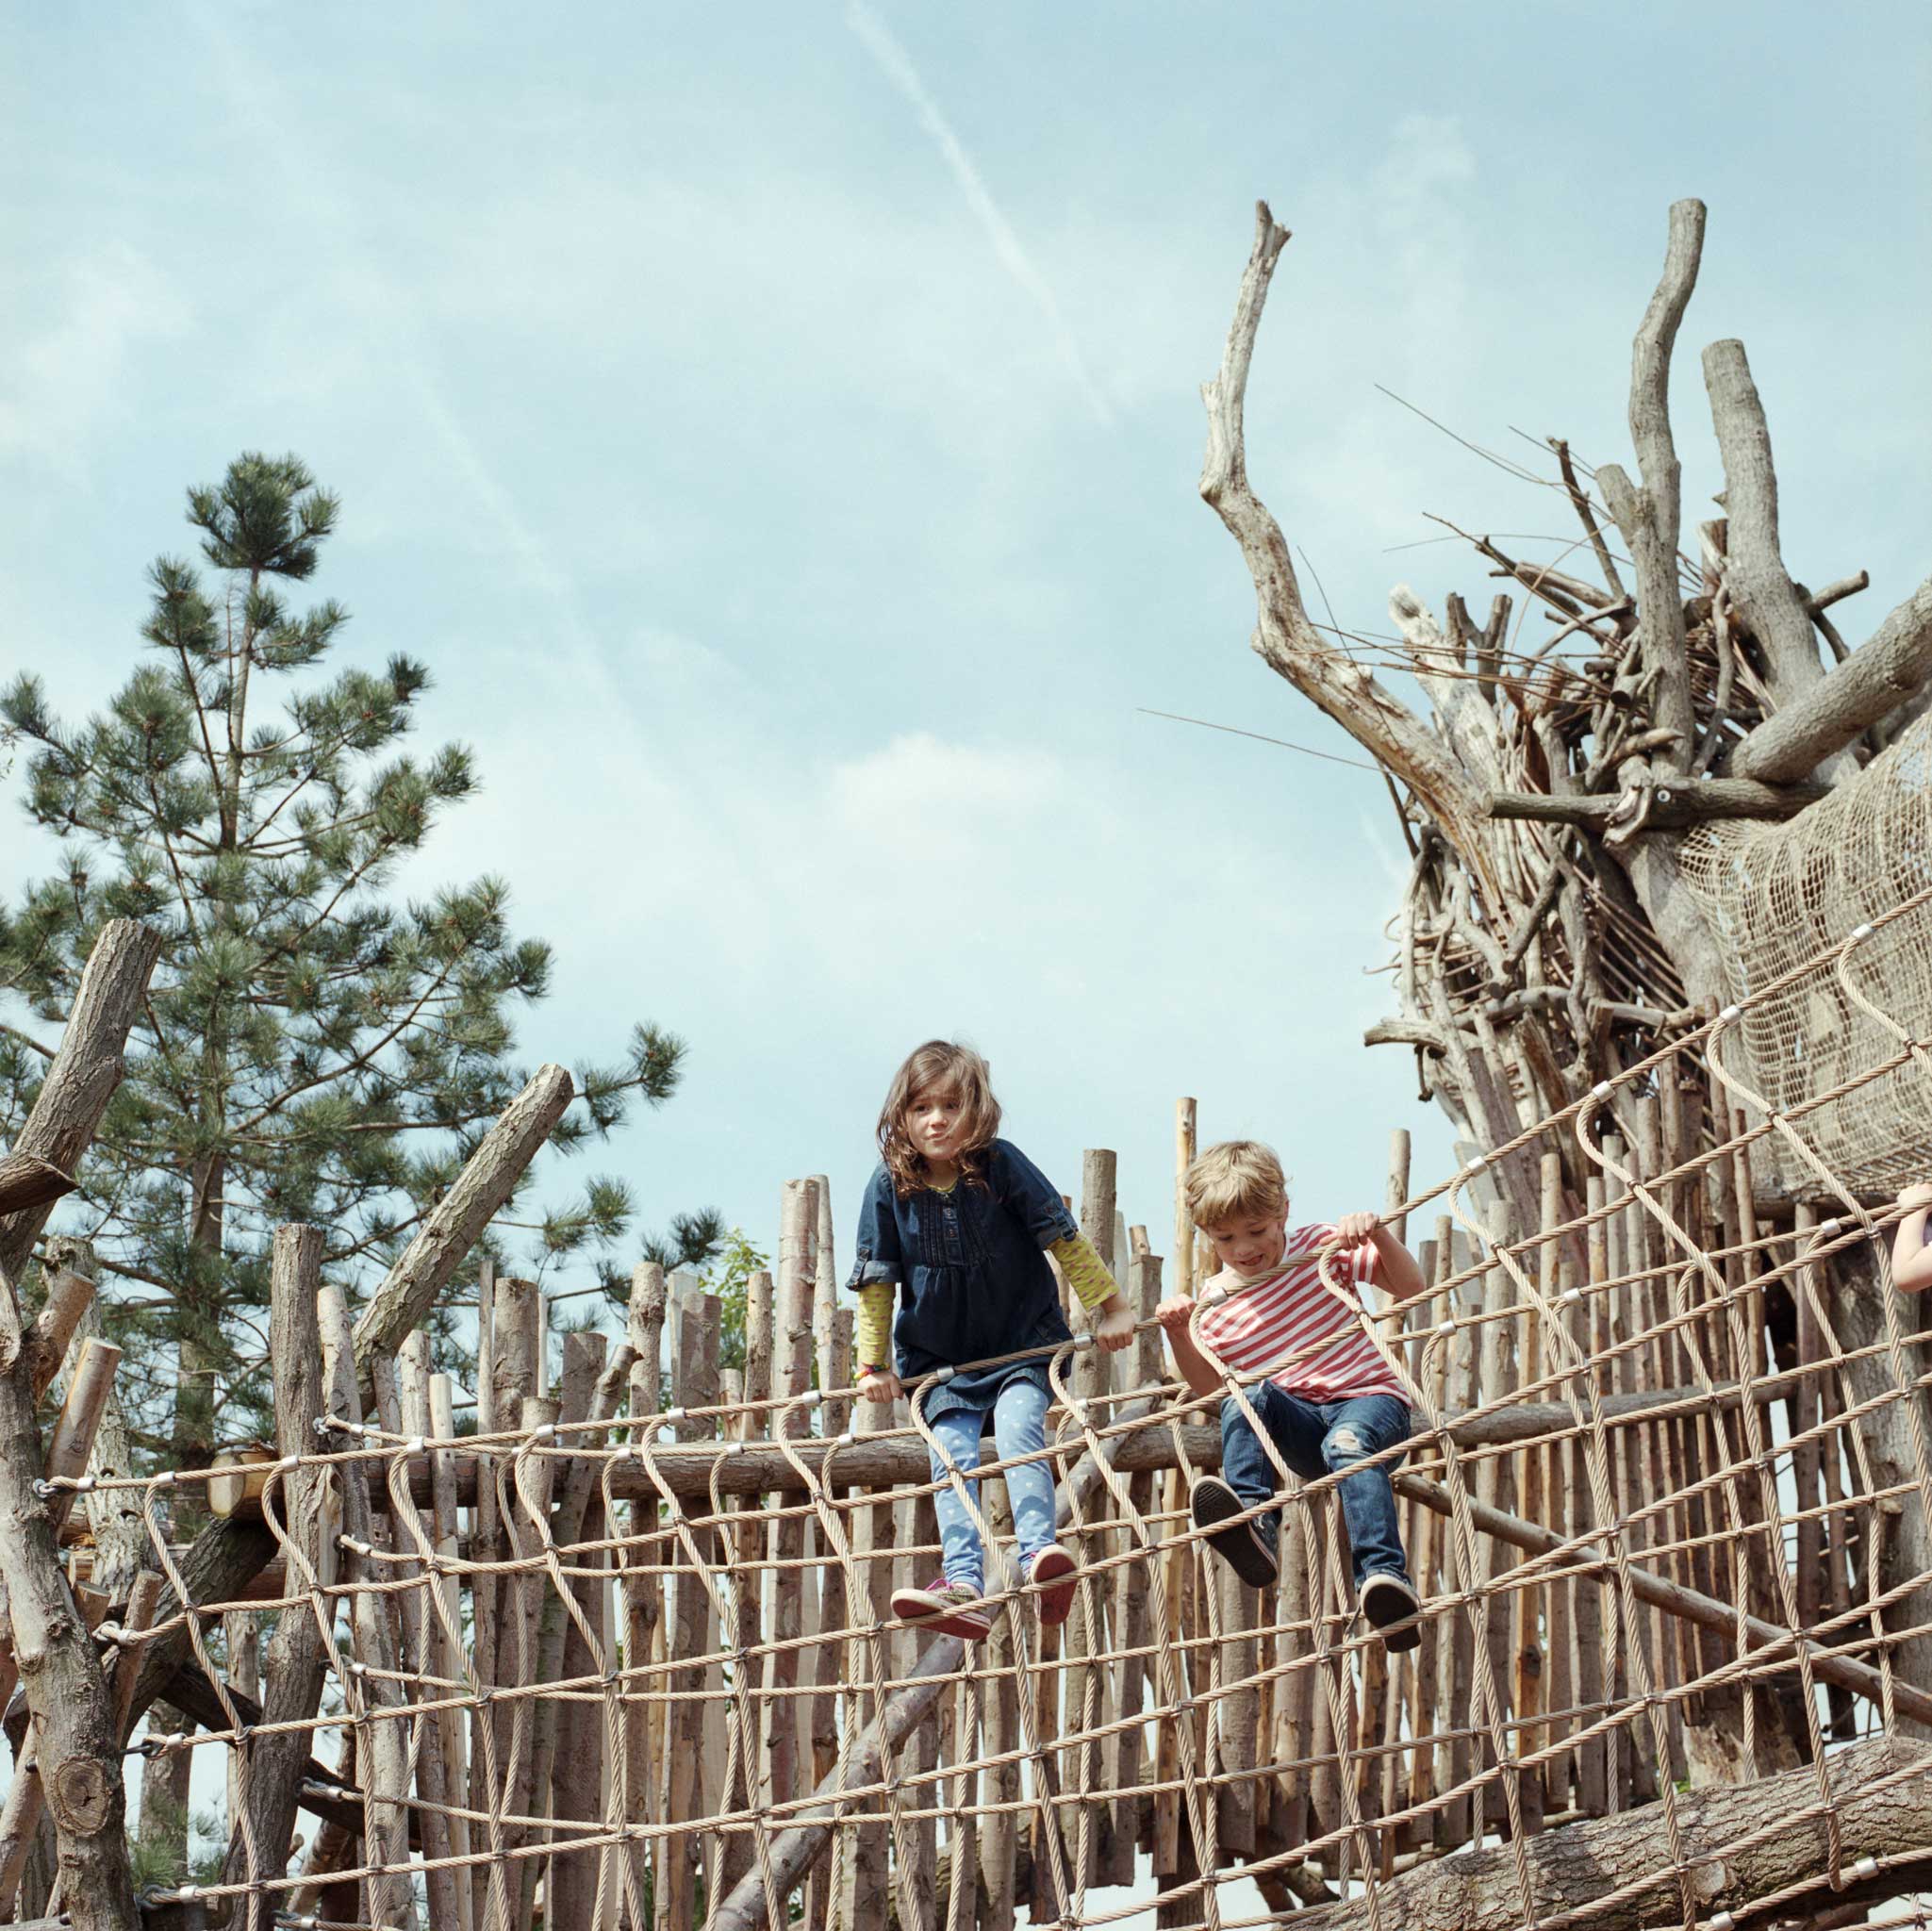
(896,64)
(105,303)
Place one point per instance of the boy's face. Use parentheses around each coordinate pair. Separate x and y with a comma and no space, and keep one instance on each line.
(1251,1243)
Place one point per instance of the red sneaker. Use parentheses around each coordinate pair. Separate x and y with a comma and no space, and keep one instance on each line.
(949,1609)
(1052,1571)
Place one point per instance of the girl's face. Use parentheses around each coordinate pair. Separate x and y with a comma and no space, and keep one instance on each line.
(933,1121)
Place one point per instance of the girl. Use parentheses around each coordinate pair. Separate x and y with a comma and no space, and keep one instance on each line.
(963,1222)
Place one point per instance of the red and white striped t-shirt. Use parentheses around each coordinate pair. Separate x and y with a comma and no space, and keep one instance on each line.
(1287,1315)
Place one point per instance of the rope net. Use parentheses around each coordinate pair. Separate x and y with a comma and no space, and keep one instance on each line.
(1778,896)
(606,1664)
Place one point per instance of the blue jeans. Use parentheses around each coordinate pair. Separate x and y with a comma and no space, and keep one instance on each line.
(1019,1428)
(1317,1439)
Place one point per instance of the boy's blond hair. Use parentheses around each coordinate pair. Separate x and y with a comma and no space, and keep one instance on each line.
(1235,1177)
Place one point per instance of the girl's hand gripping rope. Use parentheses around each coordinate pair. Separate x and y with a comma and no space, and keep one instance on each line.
(1114,1325)
(879,1384)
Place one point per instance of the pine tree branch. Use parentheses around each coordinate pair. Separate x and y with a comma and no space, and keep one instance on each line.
(201,716)
(28,1040)
(362,1059)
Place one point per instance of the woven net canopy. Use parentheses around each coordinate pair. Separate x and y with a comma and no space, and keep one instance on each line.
(1781,896)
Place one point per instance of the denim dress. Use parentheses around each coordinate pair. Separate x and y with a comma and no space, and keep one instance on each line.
(973,1276)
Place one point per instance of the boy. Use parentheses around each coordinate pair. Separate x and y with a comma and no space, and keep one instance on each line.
(1331,1405)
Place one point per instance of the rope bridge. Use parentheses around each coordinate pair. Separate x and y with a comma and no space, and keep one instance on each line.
(607,1662)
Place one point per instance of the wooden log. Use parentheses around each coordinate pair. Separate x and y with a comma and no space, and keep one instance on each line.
(1132,1608)
(486,1590)
(999,1829)
(297,1658)
(1755,570)
(1186,1132)
(568,1775)
(687,1624)
(1085,1632)
(383,1750)
(66,1692)
(70,1296)
(445,1655)
(1592,1766)
(641,1597)
(80,1081)
(792,1377)
(490,1177)
(516,1342)
(1674,805)
(1742,1843)
(885,1461)
(1879,676)
(28,1181)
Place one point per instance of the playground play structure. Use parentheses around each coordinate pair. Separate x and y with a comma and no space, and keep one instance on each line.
(621,1655)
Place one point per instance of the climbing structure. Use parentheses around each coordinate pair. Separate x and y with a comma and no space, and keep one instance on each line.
(609,1662)
(620,1656)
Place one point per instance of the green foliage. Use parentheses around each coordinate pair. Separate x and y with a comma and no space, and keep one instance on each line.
(729,1278)
(315,1047)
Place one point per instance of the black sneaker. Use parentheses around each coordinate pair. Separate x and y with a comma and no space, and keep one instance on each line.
(1389,1603)
(1244,1545)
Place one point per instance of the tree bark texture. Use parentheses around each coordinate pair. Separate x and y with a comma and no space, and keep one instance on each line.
(1882,674)
(72,1714)
(490,1177)
(297,1657)
(1740,1844)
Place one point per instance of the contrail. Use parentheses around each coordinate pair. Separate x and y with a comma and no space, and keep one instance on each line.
(896,64)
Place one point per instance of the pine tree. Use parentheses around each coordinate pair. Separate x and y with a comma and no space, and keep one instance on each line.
(314,1047)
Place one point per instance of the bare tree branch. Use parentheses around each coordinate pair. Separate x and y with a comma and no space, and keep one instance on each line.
(1882,673)
(1648,517)
(1287,641)
(1759,584)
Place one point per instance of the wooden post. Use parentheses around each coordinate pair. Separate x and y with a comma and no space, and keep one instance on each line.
(1592,1760)
(66,1692)
(516,1341)
(568,1781)
(792,1378)
(642,1593)
(434,1771)
(1184,1130)
(383,1746)
(445,1658)
(999,1830)
(1084,1633)
(1131,1608)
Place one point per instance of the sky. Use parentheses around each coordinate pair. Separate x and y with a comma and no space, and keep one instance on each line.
(778,429)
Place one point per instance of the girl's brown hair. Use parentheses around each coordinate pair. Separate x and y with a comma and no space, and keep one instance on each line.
(949,1068)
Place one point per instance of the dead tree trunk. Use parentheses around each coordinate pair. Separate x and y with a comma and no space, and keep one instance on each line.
(1563,802)
(72,1716)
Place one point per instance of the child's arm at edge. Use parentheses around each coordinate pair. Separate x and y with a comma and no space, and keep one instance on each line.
(1912,1259)
(873,1342)
(1096,1290)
